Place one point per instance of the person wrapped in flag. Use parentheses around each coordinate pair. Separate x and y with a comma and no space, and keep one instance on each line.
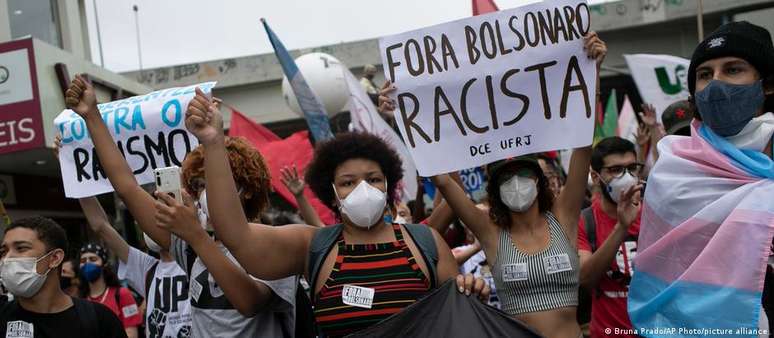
(708,216)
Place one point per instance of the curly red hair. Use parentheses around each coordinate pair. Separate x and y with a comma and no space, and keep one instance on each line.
(250,171)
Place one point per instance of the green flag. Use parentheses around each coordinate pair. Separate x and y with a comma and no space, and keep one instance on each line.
(607,125)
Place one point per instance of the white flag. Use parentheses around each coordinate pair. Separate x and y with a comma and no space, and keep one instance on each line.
(627,122)
(661,79)
(366,118)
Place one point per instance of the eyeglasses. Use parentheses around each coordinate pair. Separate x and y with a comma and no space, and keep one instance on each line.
(618,170)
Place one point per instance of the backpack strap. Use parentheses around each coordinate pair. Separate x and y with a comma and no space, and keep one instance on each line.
(425,241)
(321,245)
(591,227)
(87,315)
(325,238)
(149,277)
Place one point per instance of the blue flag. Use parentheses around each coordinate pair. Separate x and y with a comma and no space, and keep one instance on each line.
(314,112)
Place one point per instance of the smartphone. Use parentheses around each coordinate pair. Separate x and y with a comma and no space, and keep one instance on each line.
(168,181)
(642,192)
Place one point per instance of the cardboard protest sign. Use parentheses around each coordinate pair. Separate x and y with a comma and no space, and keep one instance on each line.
(508,83)
(148,129)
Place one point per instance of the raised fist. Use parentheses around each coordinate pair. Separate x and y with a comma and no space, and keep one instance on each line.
(80,97)
(203,118)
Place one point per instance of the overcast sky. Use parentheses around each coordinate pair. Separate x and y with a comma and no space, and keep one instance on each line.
(185,31)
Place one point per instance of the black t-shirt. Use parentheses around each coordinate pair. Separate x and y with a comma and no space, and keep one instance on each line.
(17,322)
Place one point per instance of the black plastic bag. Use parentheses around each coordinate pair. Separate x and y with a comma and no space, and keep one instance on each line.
(447,313)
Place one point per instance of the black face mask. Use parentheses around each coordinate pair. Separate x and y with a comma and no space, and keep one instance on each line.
(65,282)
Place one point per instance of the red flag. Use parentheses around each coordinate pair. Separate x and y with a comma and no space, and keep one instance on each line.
(243,126)
(294,150)
(483,7)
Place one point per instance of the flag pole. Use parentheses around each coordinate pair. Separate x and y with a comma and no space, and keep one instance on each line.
(700,19)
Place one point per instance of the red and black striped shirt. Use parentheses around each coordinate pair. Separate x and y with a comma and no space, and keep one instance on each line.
(388,268)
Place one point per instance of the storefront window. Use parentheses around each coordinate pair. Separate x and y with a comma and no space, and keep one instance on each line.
(37,18)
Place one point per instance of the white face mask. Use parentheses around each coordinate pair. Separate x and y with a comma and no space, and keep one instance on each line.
(617,186)
(364,206)
(400,220)
(756,134)
(519,193)
(151,244)
(20,275)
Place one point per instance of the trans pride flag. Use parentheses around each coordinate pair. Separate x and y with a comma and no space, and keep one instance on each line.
(705,238)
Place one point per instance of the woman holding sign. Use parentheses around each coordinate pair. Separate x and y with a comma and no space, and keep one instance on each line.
(362,270)
(225,300)
(532,235)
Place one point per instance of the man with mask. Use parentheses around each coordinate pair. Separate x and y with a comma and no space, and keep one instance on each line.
(162,282)
(607,235)
(33,250)
(708,216)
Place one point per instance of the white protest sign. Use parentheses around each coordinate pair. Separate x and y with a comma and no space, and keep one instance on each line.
(148,129)
(493,86)
(366,118)
(661,79)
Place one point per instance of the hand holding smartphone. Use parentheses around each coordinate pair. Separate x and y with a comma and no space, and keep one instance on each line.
(168,181)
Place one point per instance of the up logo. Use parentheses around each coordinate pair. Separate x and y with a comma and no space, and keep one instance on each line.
(674,84)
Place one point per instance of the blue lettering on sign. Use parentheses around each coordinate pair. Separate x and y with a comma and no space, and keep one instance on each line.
(65,140)
(207,87)
(472,179)
(153,96)
(177,113)
(78,133)
(189,90)
(137,118)
(119,120)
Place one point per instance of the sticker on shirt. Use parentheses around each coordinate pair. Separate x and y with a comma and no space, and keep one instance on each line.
(557,263)
(215,290)
(515,272)
(357,296)
(196,289)
(19,329)
(625,256)
(130,310)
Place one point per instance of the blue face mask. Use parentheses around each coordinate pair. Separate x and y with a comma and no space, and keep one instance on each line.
(91,272)
(726,108)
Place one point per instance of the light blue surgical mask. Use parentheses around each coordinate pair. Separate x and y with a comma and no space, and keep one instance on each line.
(727,108)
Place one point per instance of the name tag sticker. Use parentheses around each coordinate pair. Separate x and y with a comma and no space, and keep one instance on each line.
(557,263)
(130,310)
(19,329)
(357,296)
(195,289)
(515,272)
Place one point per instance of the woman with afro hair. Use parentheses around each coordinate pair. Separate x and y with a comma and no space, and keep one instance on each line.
(225,300)
(355,174)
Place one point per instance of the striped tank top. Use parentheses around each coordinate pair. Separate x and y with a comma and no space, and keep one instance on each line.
(368,283)
(537,282)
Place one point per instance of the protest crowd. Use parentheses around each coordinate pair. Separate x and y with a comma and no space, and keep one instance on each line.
(550,250)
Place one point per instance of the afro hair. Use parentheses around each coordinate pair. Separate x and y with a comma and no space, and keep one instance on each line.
(329,155)
(248,167)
